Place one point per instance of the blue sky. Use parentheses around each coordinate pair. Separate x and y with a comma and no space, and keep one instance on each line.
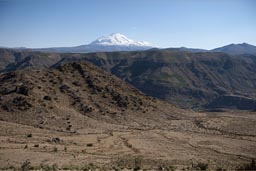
(165,23)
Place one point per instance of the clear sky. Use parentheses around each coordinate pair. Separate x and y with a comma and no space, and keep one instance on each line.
(165,23)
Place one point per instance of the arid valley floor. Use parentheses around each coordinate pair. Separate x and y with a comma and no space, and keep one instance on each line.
(221,140)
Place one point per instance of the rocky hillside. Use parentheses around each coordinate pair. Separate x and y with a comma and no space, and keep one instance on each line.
(18,59)
(188,79)
(75,96)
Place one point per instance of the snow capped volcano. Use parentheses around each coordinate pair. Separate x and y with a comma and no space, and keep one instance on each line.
(117,39)
(113,42)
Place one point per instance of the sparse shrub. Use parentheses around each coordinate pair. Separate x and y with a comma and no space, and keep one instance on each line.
(63,88)
(29,135)
(22,90)
(76,83)
(249,166)
(166,167)
(56,140)
(26,146)
(200,166)
(66,168)
(36,145)
(25,166)
(48,140)
(6,108)
(89,145)
(12,167)
(136,168)
(54,167)
(35,168)
(129,145)
(55,149)
(253,164)
(171,168)
(65,149)
(22,103)
(220,169)
(130,162)
(8,168)
(71,167)
(46,167)
(137,164)
(89,167)
(160,168)
(47,98)
(115,168)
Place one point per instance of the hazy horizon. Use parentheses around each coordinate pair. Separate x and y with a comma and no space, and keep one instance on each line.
(195,24)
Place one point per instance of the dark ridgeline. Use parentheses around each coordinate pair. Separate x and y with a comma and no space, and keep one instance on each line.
(188,79)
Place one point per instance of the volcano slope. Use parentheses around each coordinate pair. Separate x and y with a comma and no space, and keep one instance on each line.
(79,117)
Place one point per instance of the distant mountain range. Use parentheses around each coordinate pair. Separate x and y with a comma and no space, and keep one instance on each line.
(188,79)
(232,49)
(119,42)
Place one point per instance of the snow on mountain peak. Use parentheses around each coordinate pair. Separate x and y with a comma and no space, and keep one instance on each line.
(117,39)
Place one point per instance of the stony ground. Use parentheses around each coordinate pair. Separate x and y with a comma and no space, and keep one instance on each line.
(219,140)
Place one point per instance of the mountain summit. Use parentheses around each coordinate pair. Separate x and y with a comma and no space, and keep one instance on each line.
(237,49)
(117,39)
(110,43)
